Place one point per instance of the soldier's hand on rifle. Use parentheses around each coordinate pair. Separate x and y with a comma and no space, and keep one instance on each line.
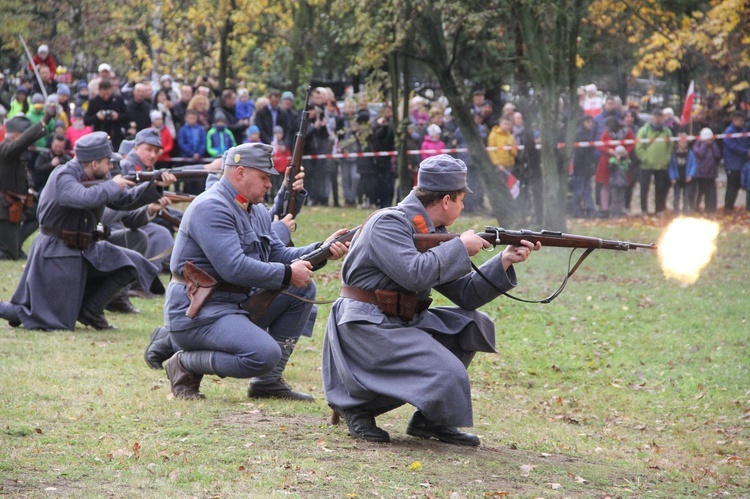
(121,182)
(166,179)
(288,220)
(299,179)
(157,206)
(302,274)
(517,254)
(472,242)
(338,249)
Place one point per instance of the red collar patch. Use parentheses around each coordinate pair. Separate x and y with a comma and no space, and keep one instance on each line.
(242,201)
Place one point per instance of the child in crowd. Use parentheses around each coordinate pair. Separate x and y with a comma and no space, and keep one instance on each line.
(619,167)
(167,141)
(681,172)
(191,139)
(281,158)
(253,134)
(430,143)
(244,107)
(707,157)
(218,138)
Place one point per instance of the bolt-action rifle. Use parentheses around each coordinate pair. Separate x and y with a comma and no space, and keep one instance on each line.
(139,177)
(289,206)
(498,235)
(257,304)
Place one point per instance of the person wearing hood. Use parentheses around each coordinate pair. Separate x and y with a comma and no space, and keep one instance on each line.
(20,103)
(218,138)
(655,156)
(43,56)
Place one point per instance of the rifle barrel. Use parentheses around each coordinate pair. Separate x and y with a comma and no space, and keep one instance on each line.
(496,236)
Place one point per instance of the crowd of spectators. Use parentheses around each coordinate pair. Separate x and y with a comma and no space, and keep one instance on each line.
(198,122)
(682,156)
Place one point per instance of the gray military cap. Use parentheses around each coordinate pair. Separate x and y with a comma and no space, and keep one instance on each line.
(442,173)
(126,146)
(17,124)
(254,155)
(148,136)
(95,146)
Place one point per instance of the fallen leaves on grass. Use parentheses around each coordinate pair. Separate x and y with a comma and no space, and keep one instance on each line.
(555,486)
(526,469)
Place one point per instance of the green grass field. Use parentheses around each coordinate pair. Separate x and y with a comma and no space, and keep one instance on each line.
(627,385)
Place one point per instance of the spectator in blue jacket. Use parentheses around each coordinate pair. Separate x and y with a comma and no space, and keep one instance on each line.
(736,154)
(681,173)
(191,139)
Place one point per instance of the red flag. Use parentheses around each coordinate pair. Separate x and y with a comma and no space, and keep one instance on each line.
(514,185)
(687,109)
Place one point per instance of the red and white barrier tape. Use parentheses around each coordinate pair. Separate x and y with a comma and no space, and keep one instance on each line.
(414,152)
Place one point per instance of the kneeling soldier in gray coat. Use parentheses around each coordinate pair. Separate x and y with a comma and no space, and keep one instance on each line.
(70,273)
(226,233)
(378,356)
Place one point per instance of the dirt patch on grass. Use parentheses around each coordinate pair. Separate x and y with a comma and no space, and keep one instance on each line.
(328,462)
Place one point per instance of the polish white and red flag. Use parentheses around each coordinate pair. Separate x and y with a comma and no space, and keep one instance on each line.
(687,109)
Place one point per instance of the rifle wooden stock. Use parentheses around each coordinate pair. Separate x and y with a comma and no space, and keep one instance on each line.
(295,166)
(139,177)
(259,302)
(179,198)
(496,236)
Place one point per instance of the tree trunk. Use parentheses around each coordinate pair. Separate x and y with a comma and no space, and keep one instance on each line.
(399,70)
(501,203)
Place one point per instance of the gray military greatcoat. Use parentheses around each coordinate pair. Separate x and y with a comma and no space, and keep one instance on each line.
(382,361)
(51,288)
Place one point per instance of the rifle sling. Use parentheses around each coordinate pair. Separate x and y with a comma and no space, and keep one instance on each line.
(554,295)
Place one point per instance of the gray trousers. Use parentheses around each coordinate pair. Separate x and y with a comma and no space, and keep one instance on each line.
(243,349)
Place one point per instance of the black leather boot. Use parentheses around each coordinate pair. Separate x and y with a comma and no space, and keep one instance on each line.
(121,304)
(272,385)
(361,423)
(94,320)
(9,312)
(159,349)
(420,426)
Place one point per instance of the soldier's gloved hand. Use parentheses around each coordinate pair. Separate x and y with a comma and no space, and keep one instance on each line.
(302,274)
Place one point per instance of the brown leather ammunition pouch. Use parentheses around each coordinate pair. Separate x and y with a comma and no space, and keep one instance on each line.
(387,301)
(392,303)
(16,204)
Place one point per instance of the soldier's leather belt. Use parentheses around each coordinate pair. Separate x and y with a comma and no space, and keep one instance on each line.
(390,302)
(73,239)
(220,286)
